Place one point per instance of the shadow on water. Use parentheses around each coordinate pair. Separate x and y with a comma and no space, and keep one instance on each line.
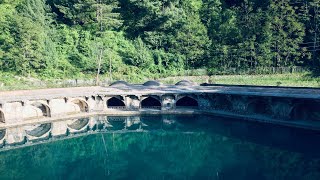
(291,139)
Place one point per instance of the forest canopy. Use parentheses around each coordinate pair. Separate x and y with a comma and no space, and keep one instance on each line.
(66,38)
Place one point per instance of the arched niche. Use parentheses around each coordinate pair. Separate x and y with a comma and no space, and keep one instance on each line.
(307,110)
(187,102)
(115,102)
(222,102)
(45,109)
(150,102)
(83,105)
(258,106)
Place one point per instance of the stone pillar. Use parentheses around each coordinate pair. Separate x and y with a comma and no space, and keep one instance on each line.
(59,129)
(168,102)
(15,136)
(281,109)
(239,104)
(60,107)
(96,103)
(13,112)
(132,102)
(204,102)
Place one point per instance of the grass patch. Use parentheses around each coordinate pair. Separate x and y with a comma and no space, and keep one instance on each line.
(292,80)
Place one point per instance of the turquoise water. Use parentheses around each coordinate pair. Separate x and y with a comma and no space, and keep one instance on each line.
(171,147)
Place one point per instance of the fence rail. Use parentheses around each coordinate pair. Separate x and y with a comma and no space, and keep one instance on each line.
(259,70)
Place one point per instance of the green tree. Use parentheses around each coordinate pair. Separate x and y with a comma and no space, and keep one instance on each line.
(286,33)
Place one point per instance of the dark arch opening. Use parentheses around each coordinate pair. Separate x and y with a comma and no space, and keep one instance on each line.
(115,102)
(258,107)
(187,102)
(82,105)
(306,111)
(150,102)
(2,119)
(44,108)
(221,102)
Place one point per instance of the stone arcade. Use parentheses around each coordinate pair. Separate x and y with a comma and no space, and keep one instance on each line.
(298,107)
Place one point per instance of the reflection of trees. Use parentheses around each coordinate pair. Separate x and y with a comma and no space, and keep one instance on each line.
(155,155)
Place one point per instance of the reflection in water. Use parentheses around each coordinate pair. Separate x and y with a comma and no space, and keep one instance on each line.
(2,133)
(38,130)
(171,147)
(79,123)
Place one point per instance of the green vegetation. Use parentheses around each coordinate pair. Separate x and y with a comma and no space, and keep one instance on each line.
(294,80)
(134,40)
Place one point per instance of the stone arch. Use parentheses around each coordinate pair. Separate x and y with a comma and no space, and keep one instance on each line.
(306,110)
(187,101)
(2,118)
(258,106)
(45,109)
(222,102)
(150,102)
(115,102)
(82,104)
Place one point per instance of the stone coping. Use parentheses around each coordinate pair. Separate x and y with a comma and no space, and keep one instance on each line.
(139,90)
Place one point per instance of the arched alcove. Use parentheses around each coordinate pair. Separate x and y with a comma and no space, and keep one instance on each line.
(308,110)
(222,102)
(82,105)
(2,119)
(258,107)
(151,102)
(115,103)
(45,109)
(187,102)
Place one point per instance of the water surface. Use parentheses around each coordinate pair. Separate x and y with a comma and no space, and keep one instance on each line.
(171,147)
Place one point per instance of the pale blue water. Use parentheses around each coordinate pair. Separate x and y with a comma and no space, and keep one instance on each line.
(172,147)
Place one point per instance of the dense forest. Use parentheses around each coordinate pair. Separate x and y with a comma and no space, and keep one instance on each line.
(67,38)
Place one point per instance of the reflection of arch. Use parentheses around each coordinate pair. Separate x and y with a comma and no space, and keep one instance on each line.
(115,102)
(79,124)
(258,107)
(307,110)
(2,119)
(150,102)
(83,105)
(43,107)
(40,130)
(187,102)
(2,134)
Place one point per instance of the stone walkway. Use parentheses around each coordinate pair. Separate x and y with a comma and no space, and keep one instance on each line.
(8,96)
